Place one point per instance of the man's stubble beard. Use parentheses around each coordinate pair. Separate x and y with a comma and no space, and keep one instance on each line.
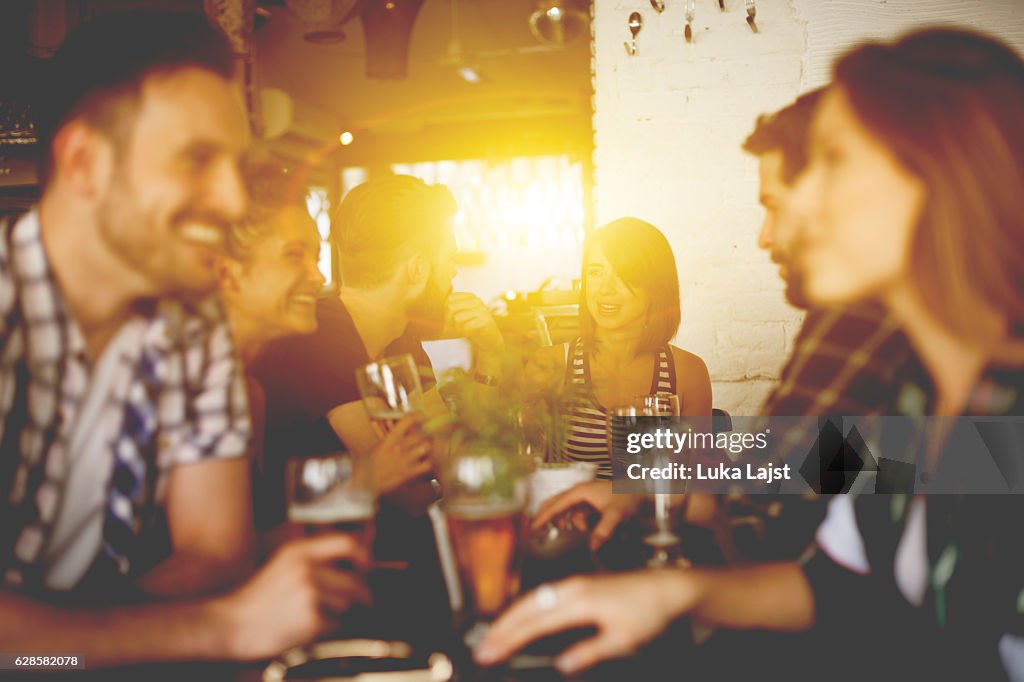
(120,220)
(427,313)
(795,294)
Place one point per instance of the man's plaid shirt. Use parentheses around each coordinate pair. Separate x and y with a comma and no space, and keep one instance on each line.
(845,362)
(185,377)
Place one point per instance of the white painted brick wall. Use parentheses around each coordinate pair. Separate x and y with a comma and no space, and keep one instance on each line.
(668,125)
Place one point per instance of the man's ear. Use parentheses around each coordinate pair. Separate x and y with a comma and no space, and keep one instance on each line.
(84,158)
(417,269)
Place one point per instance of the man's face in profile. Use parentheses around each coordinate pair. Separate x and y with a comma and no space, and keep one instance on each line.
(176,187)
(778,234)
(427,312)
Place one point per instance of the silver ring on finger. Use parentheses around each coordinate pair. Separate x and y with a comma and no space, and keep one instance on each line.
(546,597)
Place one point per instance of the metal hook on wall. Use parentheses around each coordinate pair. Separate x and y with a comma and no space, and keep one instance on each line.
(721,5)
(658,5)
(691,8)
(636,22)
(751,15)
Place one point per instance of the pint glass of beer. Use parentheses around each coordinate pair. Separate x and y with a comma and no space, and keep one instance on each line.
(390,388)
(332,493)
(485,500)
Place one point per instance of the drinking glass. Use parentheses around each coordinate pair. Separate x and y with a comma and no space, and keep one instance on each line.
(335,493)
(485,501)
(390,388)
(658,404)
(332,493)
(663,542)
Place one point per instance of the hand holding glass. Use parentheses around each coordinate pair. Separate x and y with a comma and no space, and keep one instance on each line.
(485,497)
(332,493)
(390,388)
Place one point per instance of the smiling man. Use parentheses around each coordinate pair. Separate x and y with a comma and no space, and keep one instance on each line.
(123,416)
(109,274)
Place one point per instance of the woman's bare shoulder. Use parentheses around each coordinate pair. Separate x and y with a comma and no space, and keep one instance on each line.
(687,361)
(693,382)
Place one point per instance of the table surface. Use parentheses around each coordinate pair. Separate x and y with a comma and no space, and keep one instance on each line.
(411,606)
(737,656)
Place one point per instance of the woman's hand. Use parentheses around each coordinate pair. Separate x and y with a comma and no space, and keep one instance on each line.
(612,507)
(628,610)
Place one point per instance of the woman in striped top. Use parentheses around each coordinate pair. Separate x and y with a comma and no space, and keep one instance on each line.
(629,311)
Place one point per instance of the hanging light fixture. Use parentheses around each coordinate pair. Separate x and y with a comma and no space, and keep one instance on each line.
(388,28)
(455,57)
(557,22)
(322,18)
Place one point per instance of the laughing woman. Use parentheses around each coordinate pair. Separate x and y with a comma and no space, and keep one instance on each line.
(914,195)
(629,312)
(269,279)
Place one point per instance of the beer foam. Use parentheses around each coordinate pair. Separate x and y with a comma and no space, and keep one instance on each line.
(478,511)
(334,507)
(389,414)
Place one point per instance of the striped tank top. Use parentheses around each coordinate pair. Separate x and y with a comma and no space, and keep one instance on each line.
(585,420)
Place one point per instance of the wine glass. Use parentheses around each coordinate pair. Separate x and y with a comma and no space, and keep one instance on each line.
(658,404)
(485,503)
(664,542)
(390,388)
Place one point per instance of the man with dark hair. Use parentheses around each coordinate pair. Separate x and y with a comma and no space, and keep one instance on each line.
(123,417)
(397,250)
(843,360)
(780,145)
